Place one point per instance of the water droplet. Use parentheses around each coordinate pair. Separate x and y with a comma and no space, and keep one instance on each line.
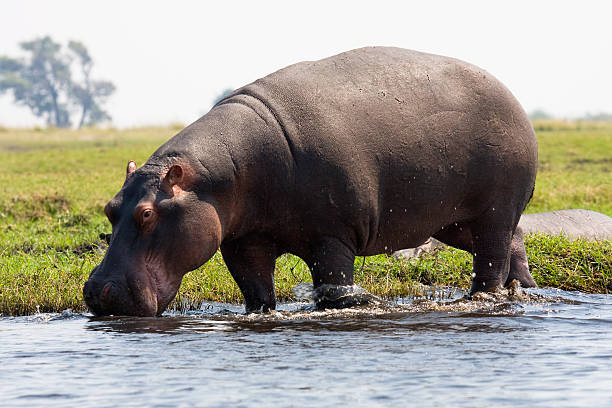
(490,264)
(473,275)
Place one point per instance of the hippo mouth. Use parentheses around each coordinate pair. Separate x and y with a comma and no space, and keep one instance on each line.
(133,298)
(98,300)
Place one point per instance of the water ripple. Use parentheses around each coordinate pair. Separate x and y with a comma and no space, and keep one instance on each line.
(554,350)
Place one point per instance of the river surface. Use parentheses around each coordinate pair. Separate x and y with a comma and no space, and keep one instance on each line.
(555,351)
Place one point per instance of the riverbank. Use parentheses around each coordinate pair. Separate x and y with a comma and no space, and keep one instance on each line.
(55,184)
(53,282)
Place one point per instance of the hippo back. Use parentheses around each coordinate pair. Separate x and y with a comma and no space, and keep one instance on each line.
(381,136)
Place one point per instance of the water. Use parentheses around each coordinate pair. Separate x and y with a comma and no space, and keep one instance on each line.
(554,351)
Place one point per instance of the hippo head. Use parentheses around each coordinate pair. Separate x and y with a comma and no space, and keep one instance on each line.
(161,229)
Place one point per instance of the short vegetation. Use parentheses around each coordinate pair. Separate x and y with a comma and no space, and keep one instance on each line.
(56,182)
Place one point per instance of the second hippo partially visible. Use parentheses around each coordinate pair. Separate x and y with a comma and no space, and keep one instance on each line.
(572,224)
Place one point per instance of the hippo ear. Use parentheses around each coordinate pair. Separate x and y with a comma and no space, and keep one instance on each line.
(131,167)
(173,179)
(174,175)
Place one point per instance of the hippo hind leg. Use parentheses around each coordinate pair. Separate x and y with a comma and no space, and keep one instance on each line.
(489,249)
(497,270)
(491,256)
(519,267)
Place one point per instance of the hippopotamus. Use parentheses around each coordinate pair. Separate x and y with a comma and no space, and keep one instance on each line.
(362,153)
(572,224)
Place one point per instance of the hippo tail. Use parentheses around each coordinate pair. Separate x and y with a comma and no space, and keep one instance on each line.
(528,200)
(531,195)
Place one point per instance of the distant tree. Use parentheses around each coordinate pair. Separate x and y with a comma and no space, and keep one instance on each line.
(43,82)
(89,94)
(598,117)
(222,95)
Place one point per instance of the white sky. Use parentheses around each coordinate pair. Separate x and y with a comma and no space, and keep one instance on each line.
(169,60)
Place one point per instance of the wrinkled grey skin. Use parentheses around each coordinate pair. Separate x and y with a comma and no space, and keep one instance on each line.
(361,153)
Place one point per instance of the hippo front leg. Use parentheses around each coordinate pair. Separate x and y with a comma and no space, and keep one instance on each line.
(331,264)
(251,262)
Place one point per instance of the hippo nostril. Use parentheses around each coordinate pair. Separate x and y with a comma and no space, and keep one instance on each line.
(106,290)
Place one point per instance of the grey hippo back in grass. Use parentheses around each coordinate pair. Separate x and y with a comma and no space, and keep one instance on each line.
(574,224)
(362,153)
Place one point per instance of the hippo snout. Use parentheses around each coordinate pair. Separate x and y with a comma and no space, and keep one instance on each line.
(88,293)
(100,297)
(113,295)
(91,296)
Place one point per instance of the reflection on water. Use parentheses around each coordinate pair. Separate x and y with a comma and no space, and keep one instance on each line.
(382,324)
(554,350)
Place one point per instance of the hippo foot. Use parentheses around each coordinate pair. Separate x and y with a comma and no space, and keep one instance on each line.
(512,292)
(343,296)
(263,309)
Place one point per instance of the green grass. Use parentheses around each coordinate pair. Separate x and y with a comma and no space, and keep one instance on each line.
(574,168)
(56,182)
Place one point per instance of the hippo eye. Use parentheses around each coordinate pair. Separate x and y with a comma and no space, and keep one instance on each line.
(144,215)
